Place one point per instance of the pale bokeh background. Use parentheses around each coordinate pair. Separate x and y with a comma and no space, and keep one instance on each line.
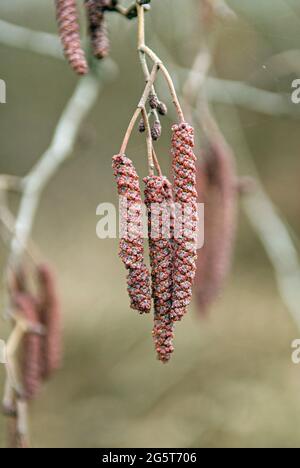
(231,382)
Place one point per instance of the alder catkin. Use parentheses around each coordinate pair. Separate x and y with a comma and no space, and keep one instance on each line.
(68,24)
(160,210)
(214,259)
(185,197)
(131,243)
(50,318)
(31,346)
(97,27)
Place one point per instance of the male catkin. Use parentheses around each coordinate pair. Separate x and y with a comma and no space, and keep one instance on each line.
(185,197)
(160,209)
(68,24)
(131,244)
(97,27)
(50,318)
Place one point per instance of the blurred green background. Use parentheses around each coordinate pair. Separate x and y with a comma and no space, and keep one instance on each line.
(231,382)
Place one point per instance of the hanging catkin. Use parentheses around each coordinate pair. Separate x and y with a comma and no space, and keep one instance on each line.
(97,27)
(185,197)
(160,210)
(50,318)
(68,23)
(131,243)
(26,306)
(214,259)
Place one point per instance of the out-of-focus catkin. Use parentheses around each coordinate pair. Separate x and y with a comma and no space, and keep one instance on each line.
(97,27)
(131,243)
(185,197)
(50,318)
(69,32)
(26,306)
(214,259)
(160,210)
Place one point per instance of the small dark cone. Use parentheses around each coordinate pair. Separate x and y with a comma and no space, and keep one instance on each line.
(156,130)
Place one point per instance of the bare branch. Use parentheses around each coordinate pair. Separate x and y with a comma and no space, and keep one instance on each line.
(59,150)
(29,40)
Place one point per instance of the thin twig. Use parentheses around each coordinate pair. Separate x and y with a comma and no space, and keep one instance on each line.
(168,79)
(148,141)
(141,105)
(60,149)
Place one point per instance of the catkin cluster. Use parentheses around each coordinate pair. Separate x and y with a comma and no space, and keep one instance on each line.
(172,234)
(68,24)
(69,30)
(42,343)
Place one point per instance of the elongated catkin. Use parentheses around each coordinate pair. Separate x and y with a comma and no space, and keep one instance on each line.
(185,238)
(31,346)
(97,27)
(50,318)
(68,24)
(131,244)
(214,260)
(160,209)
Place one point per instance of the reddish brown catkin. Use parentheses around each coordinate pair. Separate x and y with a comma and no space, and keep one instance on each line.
(97,27)
(68,23)
(185,197)
(131,243)
(160,209)
(50,318)
(31,346)
(214,260)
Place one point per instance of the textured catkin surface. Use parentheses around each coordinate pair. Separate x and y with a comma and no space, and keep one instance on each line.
(50,318)
(160,209)
(97,27)
(131,243)
(185,197)
(215,258)
(68,24)
(31,346)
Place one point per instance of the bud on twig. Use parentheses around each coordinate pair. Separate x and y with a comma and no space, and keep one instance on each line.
(162,108)
(153,101)
(156,130)
(142,127)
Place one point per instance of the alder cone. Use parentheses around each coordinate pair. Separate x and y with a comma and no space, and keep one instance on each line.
(131,244)
(215,258)
(185,197)
(51,318)
(97,27)
(31,346)
(68,24)
(160,209)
